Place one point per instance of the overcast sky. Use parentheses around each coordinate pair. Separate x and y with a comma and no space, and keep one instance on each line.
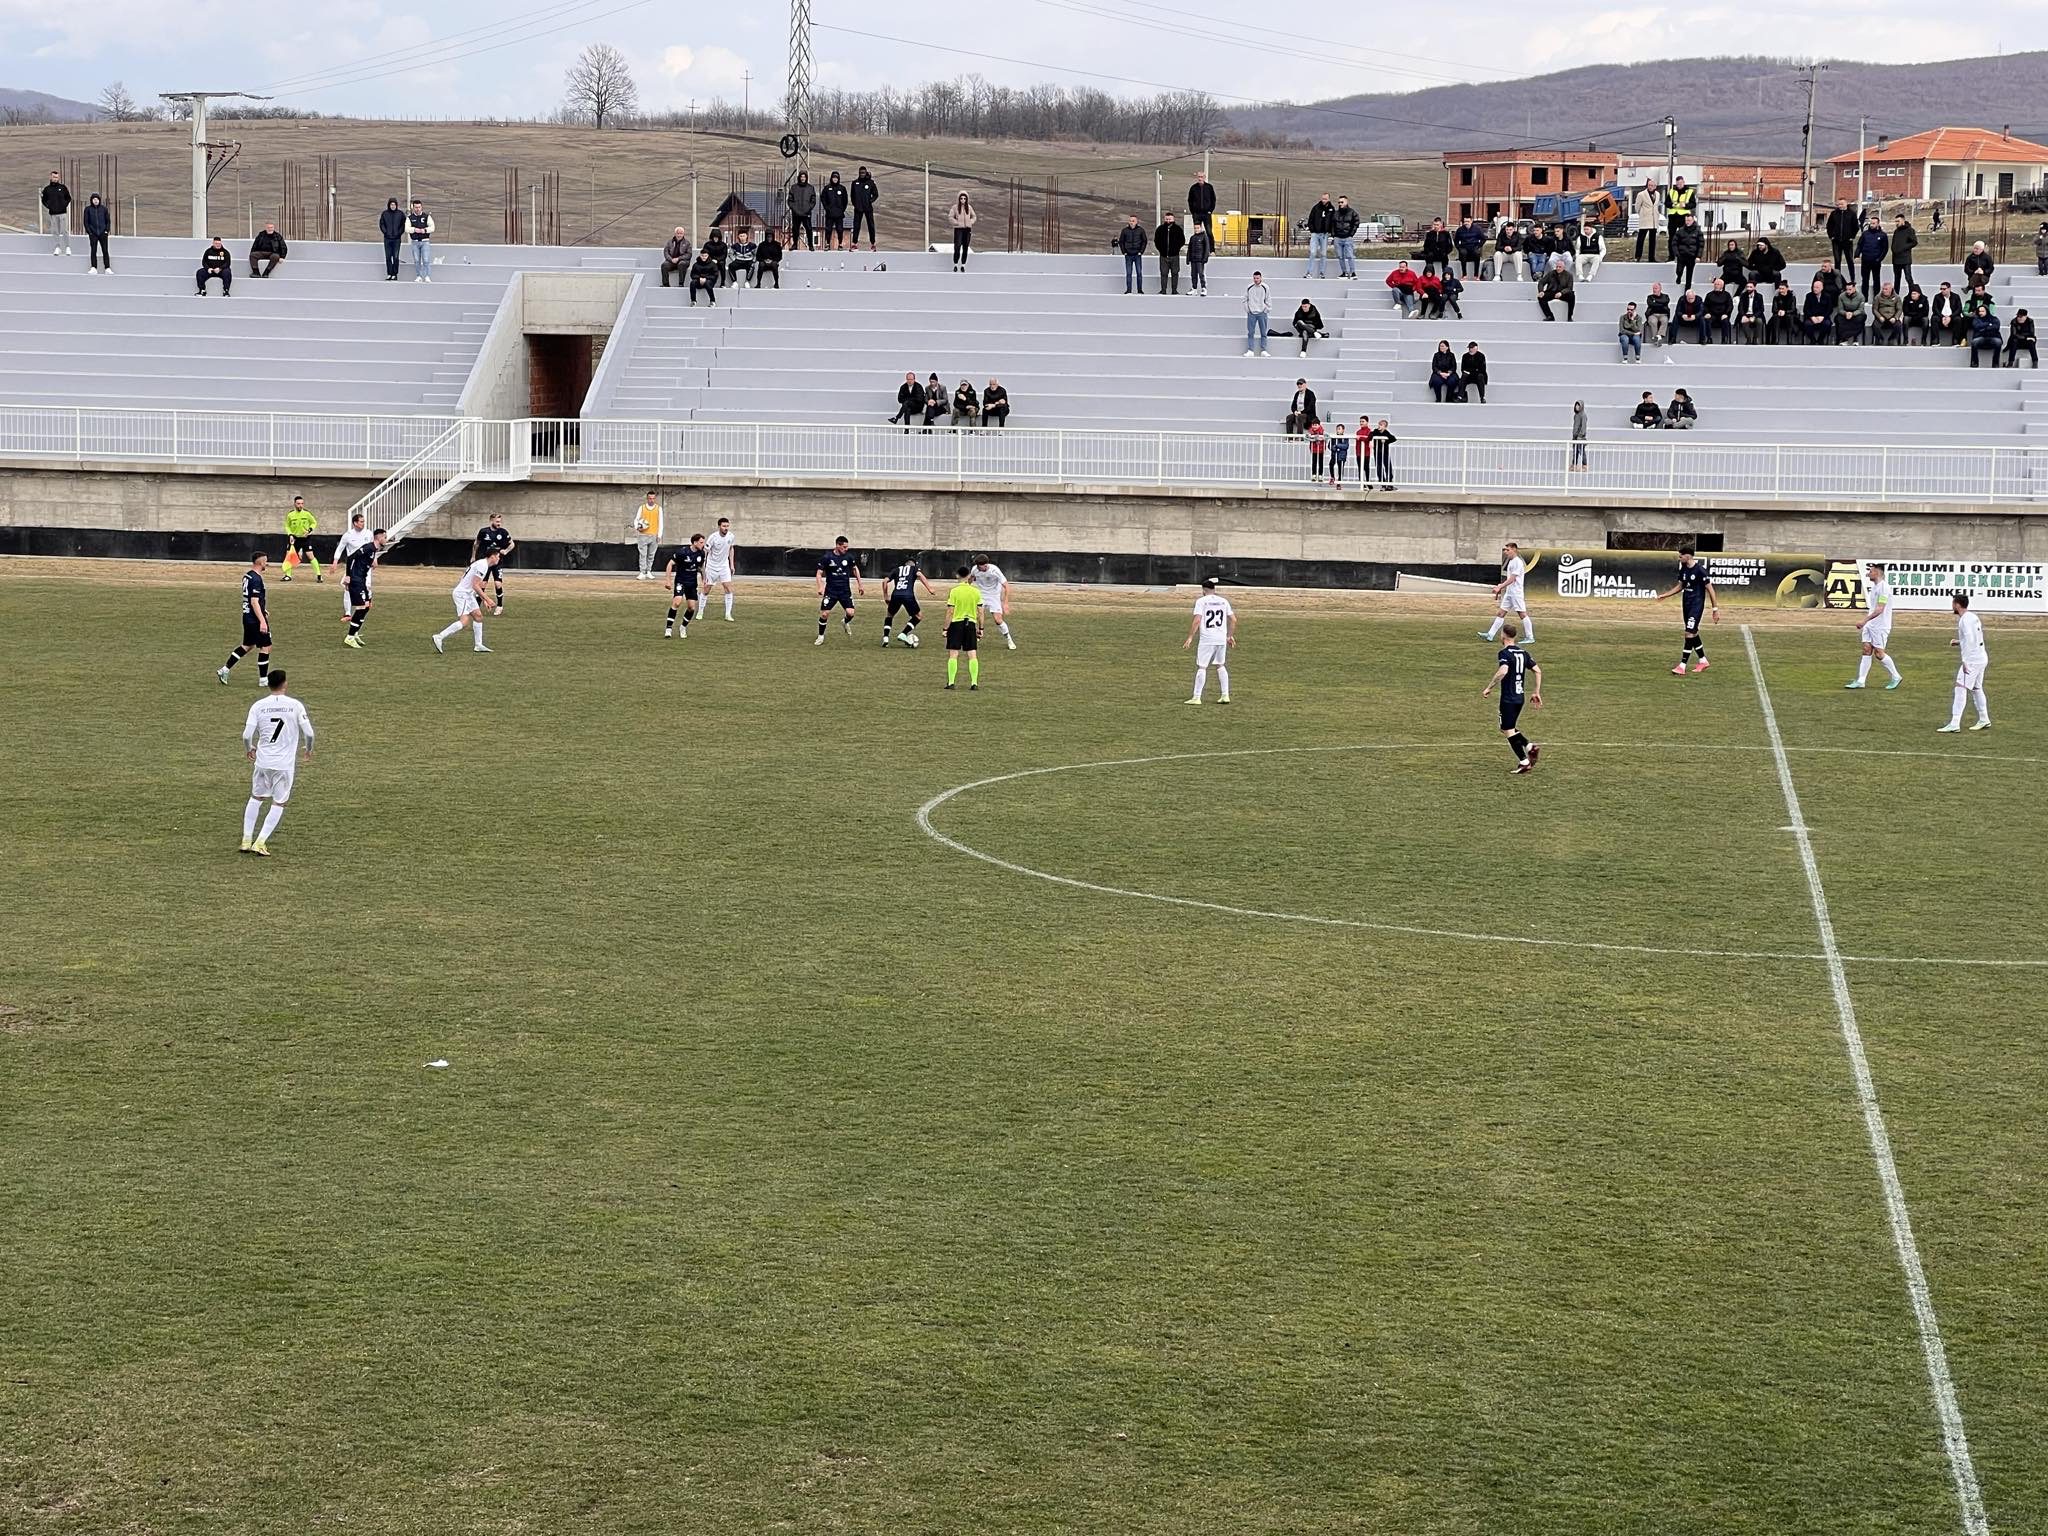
(507,59)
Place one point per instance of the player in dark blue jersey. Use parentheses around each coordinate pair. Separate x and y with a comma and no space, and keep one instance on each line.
(494,538)
(255,621)
(1520,680)
(356,568)
(686,570)
(1696,594)
(838,576)
(902,582)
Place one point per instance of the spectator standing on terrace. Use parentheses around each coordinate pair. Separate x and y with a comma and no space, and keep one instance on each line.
(1382,456)
(1749,316)
(214,262)
(56,201)
(1914,310)
(1718,310)
(768,261)
(1887,326)
(1679,415)
(1646,414)
(1946,322)
(739,266)
(1507,260)
(1692,316)
(1646,210)
(1443,372)
(1985,333)
(99,222)
(419,225)
(1579,433)
(1169,239)
(1258,314)
(1131,241)
(1308,325)
(1849,318)
(1321,221)
(1630,330)
(909,402)
(1200,248)
(1681,203)
(966,405)
(865,195)
(704,276)
(1340,451)
(1403,281)
(646,526)
(2041,251)
(1318,440)
(1344,235)
(1783,326)
(1817,315)
(1437,248)
(963,231)
(1557,284)
(1767,265)
(1872,246)
(1472,370)
(1842,229)
(803,205)
(676,257)
(1977,267)
(266,251)
(1202,207)
(1591,252)
(1657,316)
(2019,337)
(391,225)
(1470,239)
(1905,238)
(995,405)
(1361,449)
(832,204)
(1687,241)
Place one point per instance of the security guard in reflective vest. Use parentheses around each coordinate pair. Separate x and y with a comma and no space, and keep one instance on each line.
(1679,200)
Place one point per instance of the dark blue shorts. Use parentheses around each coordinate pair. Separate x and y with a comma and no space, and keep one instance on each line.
(1510,711)
(686,588)
(1694,613)
(833,600)
(358,595)
(903,600)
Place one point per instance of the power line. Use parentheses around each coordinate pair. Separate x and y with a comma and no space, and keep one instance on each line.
(504,24)
(414,67)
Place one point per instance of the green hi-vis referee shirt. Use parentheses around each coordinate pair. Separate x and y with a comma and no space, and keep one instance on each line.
(299,522)
(963,603)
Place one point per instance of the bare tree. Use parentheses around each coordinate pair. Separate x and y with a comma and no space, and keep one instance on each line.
(119,106)
(599,86)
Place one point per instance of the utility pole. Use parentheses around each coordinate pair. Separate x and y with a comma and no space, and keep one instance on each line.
(203,169)
(1806,167)
(746,102)
(1670,153)
(799,104)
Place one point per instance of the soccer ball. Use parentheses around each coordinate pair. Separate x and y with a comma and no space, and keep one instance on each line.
(910,638)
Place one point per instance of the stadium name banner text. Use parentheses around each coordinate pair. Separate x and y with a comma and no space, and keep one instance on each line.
(1770,581)
(1995,586)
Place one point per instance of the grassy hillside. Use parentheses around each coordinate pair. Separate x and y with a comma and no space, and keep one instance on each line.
(632,188)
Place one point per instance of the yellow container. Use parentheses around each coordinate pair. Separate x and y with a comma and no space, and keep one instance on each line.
(1264,231)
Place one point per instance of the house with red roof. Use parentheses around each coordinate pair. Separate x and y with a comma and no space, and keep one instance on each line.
(1943,165)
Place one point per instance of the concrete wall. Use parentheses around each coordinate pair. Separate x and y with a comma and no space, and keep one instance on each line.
(543,304)
(572,303)
(496,387)
(1286,537)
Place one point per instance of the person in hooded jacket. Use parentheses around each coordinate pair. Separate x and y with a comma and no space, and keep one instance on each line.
(1766,265)
(1451,289)
(1914,310)
(1308,324)
(768,260)
(1429,296)
(2019,337)
(98,223)
(832,204)
(1734,266)
(1783,327)
(803,203)
(1985,333)
(391,225)
(1872,246)
(865,195)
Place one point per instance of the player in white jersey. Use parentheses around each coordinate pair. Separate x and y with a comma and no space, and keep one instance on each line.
(1970,675)
(721,564)
(469,600)
(277,730)
(1875,628)
(1507,595)
(994,587)
(356,536)
(1214,630)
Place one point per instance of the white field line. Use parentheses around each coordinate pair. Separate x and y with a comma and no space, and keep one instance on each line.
(1968,1495)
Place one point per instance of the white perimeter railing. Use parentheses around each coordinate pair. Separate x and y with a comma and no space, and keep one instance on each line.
(1651,466)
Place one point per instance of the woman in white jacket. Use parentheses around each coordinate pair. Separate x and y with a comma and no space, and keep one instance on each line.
(963,231)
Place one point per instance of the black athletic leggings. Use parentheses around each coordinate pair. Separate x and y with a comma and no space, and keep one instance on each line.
(962,238)
(97,246)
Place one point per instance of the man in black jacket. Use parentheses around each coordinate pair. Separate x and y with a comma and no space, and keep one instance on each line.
(909,402)
(1171,240)
(1131,241)
(1718,310)
(1687,241)
(1472,370)
(1977,267)
(705,273)
(1749,316)
(1301,410)
(803,202)
(1904,238)
(99,223)
(1202,206)
(832,203)
(1437,248)
(1344,230)
(214,262)
(391,225)
(1319,223)
(1842,226)
(865,192)
(1470,239)
(266,251)
(768,260)
(57,215)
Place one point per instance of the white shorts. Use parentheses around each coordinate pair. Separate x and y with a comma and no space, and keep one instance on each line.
(718,573)
(1968,676)
(992,607)
(1512,601)
(1212,653)
(271,784)
(1878,632)
(465,601)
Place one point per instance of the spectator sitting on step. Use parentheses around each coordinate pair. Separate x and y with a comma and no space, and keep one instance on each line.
(1429,294)
(1749,316)
(1766,265)
(266,251)
(1783,327)
(1453,289)
(1507,257)
(1679,415)
(1308,325)
(1717,311)
(934,399)
(739,266)
(1472,370)
(1437,247)
(1914,311)
(1849,318)
(1985,333)
(1977,267)
(1470,240)
(966,405)
(1887,327)
(1301,410)
(1646,414)
(1657,317)
(1443,372)
(1830,281)
(676,256)
(768,261)
(2019,337)
(995,405)
(1591,251)
(909,400)
(1691,316)
(215,261)
(1734,266)
(1817,315)
(1946,322)
(1978,295)
(1403,281)
(1557,284)
(704,275)
(1630,330)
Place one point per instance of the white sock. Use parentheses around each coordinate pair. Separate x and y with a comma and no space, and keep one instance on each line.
(479,626)
(1493,629)
(451,629)
(1983,708)
(728,605)
(249,815)
(1003,628)
(1955,716)
(1862,668)
(1890,666)
(1223,680)
(1528,627)
(270,822)
(1201,680)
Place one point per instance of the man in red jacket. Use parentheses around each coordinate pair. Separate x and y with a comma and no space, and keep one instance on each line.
(1403,281)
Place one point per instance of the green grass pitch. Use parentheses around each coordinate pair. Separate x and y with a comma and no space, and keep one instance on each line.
(795,1172)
